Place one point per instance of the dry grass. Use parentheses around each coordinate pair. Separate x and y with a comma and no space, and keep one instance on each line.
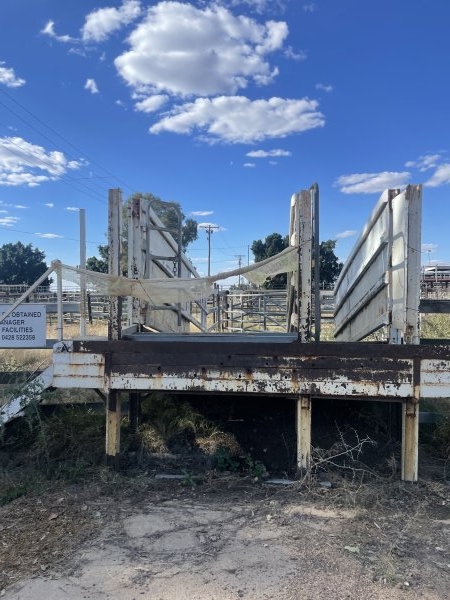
(435,326)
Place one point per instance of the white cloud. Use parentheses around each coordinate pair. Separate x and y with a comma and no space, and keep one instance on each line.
(249,165)
(346,234)
(370,183)
(295,55)
(72,208)
(237,119)
(202,213)
(49,236)
(49,29)
(424,162)
(324,88)
(440,177)
(430,248)
(259,6)
(23,163)
(183,50)
(9,78)
(207,225)
(8,221)
(49,204)
(101,23)
(91,86)
(267,153)
(152,103)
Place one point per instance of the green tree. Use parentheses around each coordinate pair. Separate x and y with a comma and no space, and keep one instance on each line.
(20,264)
(93,263)
(330,267)
(273,244)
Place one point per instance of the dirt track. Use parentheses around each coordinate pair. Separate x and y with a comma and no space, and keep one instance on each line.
(228,539)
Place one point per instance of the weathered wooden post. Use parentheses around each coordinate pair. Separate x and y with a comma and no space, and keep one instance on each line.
(304,434)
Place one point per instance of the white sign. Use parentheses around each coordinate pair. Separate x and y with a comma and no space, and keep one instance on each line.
(25,327)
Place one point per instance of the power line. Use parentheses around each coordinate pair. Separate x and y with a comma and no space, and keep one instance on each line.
(56,133)
(60,237)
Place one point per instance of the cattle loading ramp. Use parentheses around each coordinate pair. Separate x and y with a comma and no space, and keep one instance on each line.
(290,366)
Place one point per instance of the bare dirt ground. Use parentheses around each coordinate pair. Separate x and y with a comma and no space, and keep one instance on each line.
(227,537)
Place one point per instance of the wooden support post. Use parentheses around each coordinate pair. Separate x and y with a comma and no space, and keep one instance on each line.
(304,433)
(134,406)
(410,439)
(113,419)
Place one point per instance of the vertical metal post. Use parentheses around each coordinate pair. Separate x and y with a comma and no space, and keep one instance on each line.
(304,433)
(304,287)
(82,215)
(317,304)
(59,300)
(412,299)
(115,255)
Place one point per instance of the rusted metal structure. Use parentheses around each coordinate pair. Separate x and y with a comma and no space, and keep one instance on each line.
(377,285)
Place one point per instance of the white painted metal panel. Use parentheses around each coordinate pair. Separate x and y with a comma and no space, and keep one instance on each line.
(78,370)
(405,271)
(218,381)
(379,284)
(363,279)
(435,379)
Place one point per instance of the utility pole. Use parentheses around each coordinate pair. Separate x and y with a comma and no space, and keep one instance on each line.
(209,228)
(239,257)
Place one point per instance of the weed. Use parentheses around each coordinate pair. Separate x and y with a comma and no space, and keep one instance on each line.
(224,460)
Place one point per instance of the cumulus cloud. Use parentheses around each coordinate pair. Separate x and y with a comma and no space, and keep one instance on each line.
(23,163)
(49,236)
(183,50)
(101,23)
(152,103)
(236,119)
(72,208)
(324,88)
(267,153)
(440,177)
(91,86)
(370,183)
(346,234)
(424,162)
(202,213)
(9,78)
(249,165)
(49,204)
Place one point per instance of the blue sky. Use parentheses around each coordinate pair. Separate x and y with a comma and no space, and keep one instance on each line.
(226,107)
